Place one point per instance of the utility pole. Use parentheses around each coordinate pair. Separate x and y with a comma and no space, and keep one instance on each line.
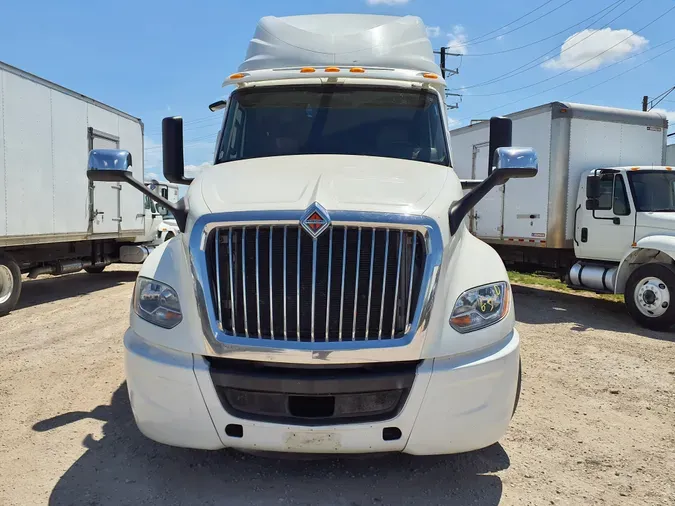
(446,71)
(645,102)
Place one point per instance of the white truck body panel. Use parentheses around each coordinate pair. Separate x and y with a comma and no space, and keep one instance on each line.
(569,140)
(46,134)
(670,154)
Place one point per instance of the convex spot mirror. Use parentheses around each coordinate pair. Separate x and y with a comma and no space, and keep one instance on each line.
(109,165)
(513,163)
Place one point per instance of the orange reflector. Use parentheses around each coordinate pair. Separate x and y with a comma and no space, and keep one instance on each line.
(357,70)
(634,245)
(332,69)
(307,70)
(238,75)
(563,110)
(669,168)
(429,75)
(635,168)
(461,321)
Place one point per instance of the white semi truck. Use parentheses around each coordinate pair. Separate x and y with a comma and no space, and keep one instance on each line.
(325,295)
(601,210)
(53,220)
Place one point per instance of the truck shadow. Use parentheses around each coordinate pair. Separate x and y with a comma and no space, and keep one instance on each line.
(535,305)
(50,289)
(123,467)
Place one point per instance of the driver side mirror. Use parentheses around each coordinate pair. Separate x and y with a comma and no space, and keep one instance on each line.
(592,187)
(592,204)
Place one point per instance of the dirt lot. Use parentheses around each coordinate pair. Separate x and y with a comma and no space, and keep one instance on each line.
(595,424)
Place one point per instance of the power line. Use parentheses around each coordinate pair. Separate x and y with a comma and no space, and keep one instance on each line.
(536,61)
(187,142)
(657,100)
(587,75)
(471,41)
(579,64)
(510,50)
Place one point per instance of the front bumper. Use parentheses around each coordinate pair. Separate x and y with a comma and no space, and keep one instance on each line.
(456,404)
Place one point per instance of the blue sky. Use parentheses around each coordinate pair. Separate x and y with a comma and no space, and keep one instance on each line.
(154,59)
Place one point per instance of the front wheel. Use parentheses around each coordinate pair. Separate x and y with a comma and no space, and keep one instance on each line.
(10,284)
(94,269)
(648,295)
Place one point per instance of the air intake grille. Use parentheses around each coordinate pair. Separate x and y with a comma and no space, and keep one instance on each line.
(350,284)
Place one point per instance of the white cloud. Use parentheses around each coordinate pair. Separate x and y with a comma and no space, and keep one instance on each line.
(457,40)
(433,31)
(388,2)
(193,170)
(670,115)
(453,123)
(579,48)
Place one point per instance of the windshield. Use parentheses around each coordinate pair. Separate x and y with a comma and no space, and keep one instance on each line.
(334,119)
(653,190)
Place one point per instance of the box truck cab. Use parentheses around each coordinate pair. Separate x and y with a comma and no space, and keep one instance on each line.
(626,226)
(601,210)
(324,295)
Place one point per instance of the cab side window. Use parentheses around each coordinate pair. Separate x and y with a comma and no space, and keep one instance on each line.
(613,196)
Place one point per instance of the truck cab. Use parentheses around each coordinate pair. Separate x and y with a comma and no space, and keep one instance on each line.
(626,221)
(325,295)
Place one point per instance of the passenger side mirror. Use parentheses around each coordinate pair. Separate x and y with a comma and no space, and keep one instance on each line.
(508,163)
(111,165)
(511,163)
(172,150)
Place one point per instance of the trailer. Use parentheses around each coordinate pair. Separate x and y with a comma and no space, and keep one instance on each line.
(53,220)
(599,212)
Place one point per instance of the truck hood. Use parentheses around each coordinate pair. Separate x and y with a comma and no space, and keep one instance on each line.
(337,182)
(663,221)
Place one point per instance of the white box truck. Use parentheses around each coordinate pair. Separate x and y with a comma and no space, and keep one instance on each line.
(325,295)
(670,154)
(601,210)
(53,220)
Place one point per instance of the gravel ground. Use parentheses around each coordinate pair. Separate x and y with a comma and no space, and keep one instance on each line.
(595,423)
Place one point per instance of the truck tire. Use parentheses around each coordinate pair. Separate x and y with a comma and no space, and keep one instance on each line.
(95,269)
(10,284)
(650,296)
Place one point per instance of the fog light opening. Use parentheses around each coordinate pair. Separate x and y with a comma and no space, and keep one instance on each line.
(391,433)
(234,430)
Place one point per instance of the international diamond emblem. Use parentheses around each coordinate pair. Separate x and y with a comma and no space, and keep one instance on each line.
(315,220)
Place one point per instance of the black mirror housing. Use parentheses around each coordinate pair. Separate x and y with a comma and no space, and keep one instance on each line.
(217,106)
(592,204)
(592,187)
(172,150)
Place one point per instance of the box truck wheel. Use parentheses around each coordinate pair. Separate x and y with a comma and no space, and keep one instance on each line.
(650,296)
(95,269)
(10,283)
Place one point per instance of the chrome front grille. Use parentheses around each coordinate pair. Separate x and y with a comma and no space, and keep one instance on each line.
(350,284)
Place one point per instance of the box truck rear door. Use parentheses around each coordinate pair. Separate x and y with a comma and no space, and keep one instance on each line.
(105,197)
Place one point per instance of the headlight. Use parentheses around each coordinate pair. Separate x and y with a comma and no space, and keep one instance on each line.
(480,307)
(157,303)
